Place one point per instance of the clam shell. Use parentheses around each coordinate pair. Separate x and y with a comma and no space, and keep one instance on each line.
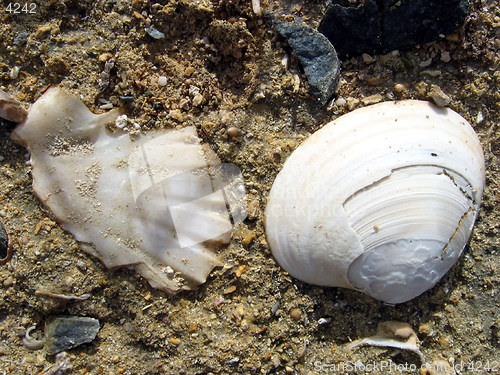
(381,200)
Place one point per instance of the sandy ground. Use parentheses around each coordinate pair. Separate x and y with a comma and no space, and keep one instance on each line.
(249,317)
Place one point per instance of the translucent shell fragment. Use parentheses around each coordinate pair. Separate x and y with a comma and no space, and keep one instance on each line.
(381,200)
(149,202)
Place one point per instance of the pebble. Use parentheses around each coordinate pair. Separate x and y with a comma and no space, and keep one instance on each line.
(425,63)
(229,290)
(372,99)
(9,281)
(367,58)
(340,102)
(176,114)
(240,270)
(399,87)
(431,73)
(162,80)
(174,341)
(198,100)
(66,332)
(153,33)
(105,56)
(316,54)
(439,97)
(445,56)
(296,314)
(233,132)
(352,103)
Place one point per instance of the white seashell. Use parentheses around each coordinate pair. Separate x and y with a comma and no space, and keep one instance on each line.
(151,203)
(381,200)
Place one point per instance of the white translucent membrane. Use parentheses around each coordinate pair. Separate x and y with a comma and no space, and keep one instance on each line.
(149,202)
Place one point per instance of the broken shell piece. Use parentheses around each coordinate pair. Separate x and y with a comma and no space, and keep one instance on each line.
(11,109)
(150,203)
(67,332)
(394,335)
(30,342)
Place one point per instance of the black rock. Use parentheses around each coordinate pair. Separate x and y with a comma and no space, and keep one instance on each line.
(4,243)
(316,54)
(385,25)
(66,332)
(352,29)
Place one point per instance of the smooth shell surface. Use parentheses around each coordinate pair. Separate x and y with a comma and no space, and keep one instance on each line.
(381,200)
(149,203)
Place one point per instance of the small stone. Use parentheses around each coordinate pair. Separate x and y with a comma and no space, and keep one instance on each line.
(296,314)
(66,332)
(352,103)
(240,270)
(174,341)
(9,281)
(367,58)
(374,81)
(372,99)
(193,327)
(176,114)
(431,73)
(399,87)
(229,290)
(479,117)
(316,54)
(452,37)
(439,97)
(153,33)
(198,100)
(233,132)
(103,57)
(445,56)
(162,81)
(340,102)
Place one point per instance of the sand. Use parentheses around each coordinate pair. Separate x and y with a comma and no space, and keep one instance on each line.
(224,69)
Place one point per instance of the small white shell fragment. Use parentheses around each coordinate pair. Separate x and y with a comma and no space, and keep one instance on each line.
(381,200)
(11,109)
(150,203)
(393,335)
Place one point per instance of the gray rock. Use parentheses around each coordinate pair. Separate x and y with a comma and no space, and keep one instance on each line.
(66,332)
(385,25)
(316,54)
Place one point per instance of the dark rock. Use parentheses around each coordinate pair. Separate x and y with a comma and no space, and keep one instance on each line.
(352,29)
(66,332)
(385,25)
(316,54)
(421,21)
(5,249)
